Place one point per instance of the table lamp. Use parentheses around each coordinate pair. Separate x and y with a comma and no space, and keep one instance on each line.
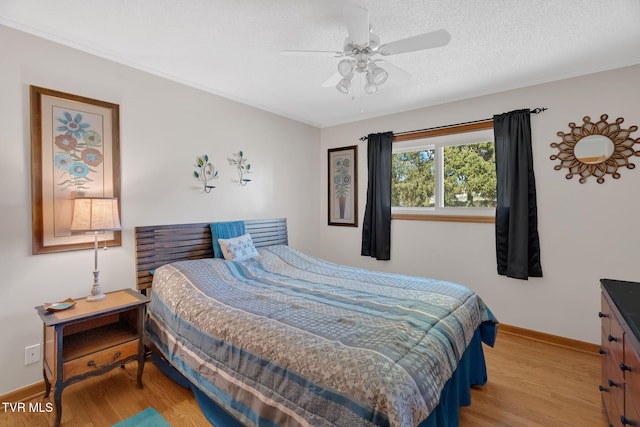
(95,214)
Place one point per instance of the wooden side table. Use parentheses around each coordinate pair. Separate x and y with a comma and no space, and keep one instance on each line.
(90,339)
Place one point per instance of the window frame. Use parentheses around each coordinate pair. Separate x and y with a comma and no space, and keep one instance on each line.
(441,213)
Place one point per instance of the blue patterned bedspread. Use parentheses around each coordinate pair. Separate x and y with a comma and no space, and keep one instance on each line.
(287,339)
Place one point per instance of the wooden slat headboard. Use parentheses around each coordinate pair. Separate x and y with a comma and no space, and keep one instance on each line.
(157,245)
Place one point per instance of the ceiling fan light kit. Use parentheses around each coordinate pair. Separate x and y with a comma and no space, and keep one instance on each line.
(346,67)
(378,75)
(344,85)
(370,87)
(362,45)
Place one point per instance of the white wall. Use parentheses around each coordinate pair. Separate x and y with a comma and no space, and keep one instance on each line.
(164,127)
(587,231)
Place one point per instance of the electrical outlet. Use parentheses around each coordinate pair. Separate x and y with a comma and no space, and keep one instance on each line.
(32,354)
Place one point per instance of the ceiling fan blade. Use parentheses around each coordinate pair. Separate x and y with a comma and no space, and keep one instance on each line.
(420,42)
(357,22)
(333,80)
(328,53)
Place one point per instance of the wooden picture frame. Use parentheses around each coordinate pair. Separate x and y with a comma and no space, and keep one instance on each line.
(343,186)
(75,152)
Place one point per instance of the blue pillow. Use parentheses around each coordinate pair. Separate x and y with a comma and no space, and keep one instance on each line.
(224,230)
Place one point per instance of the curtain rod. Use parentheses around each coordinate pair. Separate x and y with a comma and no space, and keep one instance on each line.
(537,110)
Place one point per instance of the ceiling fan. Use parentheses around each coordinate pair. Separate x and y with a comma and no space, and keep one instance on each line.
(362,45)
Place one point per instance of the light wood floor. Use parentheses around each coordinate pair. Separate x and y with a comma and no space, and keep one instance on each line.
(530,384)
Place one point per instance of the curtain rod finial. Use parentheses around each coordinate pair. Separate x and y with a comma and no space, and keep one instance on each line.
(539,110)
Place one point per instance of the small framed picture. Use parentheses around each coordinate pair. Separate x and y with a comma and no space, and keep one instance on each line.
(343,186)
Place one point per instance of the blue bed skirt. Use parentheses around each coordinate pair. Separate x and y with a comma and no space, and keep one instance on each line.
(471,371)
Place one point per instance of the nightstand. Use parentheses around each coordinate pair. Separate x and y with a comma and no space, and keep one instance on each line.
(90,339)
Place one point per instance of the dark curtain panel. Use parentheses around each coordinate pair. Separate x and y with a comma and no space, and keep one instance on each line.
(376,228)
(517,241)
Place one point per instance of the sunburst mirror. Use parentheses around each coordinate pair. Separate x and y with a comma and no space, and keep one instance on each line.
(595,149)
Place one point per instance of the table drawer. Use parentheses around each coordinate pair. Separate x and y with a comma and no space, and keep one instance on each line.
(99,359)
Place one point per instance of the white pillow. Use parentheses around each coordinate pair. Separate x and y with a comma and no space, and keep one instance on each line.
(238,248)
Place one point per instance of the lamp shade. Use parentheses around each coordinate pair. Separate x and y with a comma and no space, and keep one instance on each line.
(95,214)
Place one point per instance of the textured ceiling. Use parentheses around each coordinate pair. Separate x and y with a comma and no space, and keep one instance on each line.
(232,47)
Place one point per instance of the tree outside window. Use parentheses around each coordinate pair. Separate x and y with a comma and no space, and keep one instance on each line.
(457,171)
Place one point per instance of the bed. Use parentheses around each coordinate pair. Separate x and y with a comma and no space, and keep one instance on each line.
(286,339)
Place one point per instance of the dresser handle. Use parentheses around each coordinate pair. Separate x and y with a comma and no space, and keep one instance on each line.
(602,389)
(624,367)
(601,351)
(613,384)
(115,357)
(626,421)
(612,338)
(601,314)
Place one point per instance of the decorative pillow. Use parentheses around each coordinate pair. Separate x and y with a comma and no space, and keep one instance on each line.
(238,248)
(224,230)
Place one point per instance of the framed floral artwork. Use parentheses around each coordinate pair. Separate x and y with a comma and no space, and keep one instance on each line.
(343,186)
(75,152)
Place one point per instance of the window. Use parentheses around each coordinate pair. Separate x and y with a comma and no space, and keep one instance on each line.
(447,176)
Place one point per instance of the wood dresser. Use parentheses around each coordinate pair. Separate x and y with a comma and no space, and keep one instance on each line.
(620,388)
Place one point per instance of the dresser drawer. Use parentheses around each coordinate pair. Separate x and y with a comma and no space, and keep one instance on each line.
(99,359)
(605,314)
(616,386)
(606,360)
(632,380)
(632,415)
(615,338)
